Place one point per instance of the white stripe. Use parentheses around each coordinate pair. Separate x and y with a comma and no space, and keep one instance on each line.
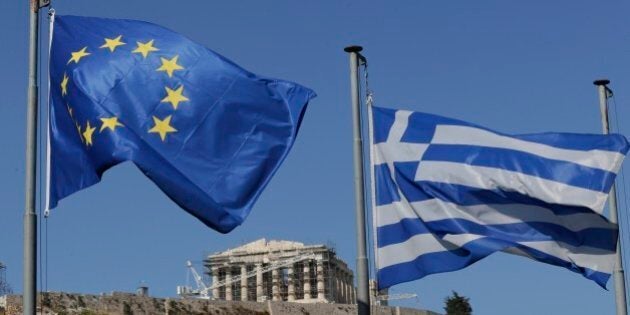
(494,178)
(400,125)
(449,134)
(583,256)
(50,37)
(518,252)
(488,214)
(372,180)
(398,210)
(388,152)
(419,245)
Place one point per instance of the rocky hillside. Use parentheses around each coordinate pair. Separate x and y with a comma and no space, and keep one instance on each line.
(59,303)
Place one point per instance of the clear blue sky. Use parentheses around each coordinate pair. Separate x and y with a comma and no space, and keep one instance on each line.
(516,67)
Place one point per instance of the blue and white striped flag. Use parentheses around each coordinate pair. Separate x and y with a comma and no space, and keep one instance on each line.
(449,193)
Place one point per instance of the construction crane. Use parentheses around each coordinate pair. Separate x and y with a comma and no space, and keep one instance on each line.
(203,291)
(399,296)
(187,290)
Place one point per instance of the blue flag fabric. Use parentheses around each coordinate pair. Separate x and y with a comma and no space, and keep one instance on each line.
(209,133)
(449,193)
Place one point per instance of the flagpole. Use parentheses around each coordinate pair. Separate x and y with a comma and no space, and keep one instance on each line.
(30,216)
(363,290)
(620,286)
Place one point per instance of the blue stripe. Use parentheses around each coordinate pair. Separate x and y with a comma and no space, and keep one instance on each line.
(386,190)
(578,141)
(522,162)
(401,231)
(599,277)
(437,262)
(383,119)
(465,195)
(405,178)
(512,232)
(468,196)
(470,253)
(422,127)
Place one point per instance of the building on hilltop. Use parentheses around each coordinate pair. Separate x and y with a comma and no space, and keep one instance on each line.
(280,271)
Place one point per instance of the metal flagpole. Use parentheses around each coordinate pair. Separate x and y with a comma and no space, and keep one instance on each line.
(363,290)
(30,216)
(620,286)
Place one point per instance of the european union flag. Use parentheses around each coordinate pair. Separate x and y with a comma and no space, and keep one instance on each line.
(209,133)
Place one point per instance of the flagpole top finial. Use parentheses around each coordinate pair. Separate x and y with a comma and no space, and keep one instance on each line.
(603,82)
(353,49)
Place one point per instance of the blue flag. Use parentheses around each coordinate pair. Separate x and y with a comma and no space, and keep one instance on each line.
(209,133)
(449,193)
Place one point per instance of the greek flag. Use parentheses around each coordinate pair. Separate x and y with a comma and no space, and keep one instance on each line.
(448,193)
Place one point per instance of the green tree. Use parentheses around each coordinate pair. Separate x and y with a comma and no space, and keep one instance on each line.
(457,305)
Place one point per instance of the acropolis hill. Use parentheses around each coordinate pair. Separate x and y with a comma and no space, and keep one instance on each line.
(59,303)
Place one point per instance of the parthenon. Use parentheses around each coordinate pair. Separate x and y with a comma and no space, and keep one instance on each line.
(280,271)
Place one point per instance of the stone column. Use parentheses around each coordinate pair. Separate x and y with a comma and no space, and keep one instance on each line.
(215,280)
(243,283)
(320,281)
(307,280)
(339,280)
(228,285)
(342,286)
(347,287)
(275,289)
(333,283)
(259,282)
(352,293)
(290,284)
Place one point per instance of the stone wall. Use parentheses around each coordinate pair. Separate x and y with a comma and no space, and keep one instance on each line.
(59,303)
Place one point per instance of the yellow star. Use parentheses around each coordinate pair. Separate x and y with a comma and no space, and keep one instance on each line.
(79,129)
(145,48)
(175,96)
(87,134)
(112,43)
(162,127)
(169,66)
(69,109)
(110,123)
(64,85)
(77,55)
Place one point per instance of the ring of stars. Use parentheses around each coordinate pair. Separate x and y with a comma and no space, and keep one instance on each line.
(175,96)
